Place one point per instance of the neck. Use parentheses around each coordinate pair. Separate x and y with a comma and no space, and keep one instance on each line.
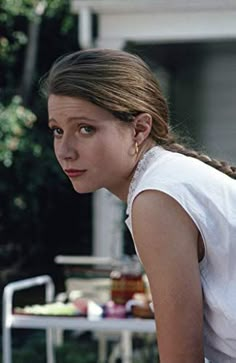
(121,192)
(122,189)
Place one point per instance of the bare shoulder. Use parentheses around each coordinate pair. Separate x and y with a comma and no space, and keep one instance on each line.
(166,239)
(155,211)
(164,233)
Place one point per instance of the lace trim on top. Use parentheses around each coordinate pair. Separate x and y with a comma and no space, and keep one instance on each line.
(142,166)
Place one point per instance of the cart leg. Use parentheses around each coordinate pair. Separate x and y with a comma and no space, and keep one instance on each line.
(126,346)
(50,346)
(115,354)
(6,345)
(59,337)
(102,347)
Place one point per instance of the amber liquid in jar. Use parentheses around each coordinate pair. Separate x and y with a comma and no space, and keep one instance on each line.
(125,285)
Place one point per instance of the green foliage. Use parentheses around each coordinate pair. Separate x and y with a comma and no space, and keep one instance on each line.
(15,16)
(32,187)
(15,119)
(33,350)
(78,350)
(8,46)
(145,348)
(32,8)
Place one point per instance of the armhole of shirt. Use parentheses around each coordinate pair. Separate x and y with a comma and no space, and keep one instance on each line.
(162,189)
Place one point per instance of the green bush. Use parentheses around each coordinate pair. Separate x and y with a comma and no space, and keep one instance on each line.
(39,210)
(31,348)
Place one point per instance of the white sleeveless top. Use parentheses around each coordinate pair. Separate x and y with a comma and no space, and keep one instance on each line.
(209,197)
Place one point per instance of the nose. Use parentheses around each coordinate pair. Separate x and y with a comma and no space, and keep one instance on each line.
(65,150)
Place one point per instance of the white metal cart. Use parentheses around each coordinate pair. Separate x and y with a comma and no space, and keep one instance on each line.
(125,327)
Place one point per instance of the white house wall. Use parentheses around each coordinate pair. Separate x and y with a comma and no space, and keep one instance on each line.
(218,104)
(166,21)
(168,26)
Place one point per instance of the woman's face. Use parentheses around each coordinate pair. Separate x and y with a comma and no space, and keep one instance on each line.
(94,149)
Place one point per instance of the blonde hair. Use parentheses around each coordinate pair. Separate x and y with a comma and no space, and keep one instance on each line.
(123,84)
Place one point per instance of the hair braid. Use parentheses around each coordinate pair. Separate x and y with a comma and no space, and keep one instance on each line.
(124,85)
(220,165)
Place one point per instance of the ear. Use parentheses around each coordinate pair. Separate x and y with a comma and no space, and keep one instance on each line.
(142,127)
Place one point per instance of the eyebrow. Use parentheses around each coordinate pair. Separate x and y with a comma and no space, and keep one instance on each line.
(76,118)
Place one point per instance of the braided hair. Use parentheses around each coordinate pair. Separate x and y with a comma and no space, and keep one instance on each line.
(123,84)
(220,165)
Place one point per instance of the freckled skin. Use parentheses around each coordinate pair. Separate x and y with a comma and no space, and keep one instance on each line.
(87,137)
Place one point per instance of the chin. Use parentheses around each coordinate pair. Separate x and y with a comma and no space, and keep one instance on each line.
(81,189)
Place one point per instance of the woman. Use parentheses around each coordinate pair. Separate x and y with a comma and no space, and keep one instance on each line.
(109,120)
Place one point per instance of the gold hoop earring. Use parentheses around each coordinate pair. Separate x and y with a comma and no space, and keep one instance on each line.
(136,148)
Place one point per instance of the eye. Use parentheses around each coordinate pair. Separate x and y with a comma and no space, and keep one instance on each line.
(86,130)
(56,132)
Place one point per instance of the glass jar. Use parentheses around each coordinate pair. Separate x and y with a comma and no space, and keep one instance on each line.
(126,280)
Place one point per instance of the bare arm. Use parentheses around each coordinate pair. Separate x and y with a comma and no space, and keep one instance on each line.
(166,240)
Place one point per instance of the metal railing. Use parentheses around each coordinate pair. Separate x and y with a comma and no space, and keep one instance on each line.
(7,314)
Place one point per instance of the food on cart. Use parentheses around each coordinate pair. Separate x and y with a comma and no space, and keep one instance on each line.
(81,304)
(88,307)
(57,308)
(94,310)
(79,307)
(139,306)
(113,310)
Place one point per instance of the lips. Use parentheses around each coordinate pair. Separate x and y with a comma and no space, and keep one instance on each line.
(73,173)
